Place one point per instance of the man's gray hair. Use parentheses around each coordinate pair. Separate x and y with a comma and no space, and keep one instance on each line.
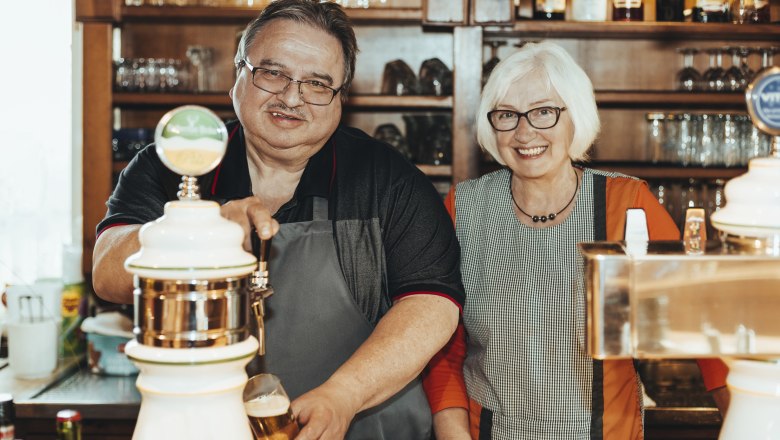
(564,75)
(327,16)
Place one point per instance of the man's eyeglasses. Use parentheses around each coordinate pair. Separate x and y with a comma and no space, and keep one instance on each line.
(273,81)
(540,118)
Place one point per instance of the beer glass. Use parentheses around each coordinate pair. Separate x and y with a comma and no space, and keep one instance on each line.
(268,408)
(713,76)
(688,78)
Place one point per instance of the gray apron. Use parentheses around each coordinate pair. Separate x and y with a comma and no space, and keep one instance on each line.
(313,325)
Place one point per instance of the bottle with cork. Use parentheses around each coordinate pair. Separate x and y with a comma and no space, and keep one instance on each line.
(7,417)
(68,425)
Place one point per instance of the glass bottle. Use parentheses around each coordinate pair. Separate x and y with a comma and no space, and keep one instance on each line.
(628,10)
(7,417)
(68,425)
(742,11)
(669,10)
(589,10)
(711,11)
(549,9)
(761,14)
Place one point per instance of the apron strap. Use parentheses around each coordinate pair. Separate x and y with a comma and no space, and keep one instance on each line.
(599,233)
(320,209)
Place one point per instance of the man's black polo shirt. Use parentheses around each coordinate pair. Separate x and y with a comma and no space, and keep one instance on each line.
(392,233)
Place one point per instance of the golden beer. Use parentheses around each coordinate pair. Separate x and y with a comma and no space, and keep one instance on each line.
(271,418)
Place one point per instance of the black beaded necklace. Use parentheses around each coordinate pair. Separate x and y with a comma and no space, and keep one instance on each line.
(551,216)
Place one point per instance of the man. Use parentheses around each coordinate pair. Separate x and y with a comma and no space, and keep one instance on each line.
(366,278)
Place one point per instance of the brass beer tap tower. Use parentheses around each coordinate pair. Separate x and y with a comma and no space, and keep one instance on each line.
(193,294)
(699,298)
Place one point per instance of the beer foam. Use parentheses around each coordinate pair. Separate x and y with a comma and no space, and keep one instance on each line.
(267,406)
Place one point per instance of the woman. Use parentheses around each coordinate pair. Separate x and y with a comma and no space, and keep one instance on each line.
(525,366)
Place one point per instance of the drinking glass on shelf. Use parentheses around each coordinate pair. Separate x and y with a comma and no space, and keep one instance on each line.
(123,75)
(734,78)
(742,11)
(688,78)
(713,77)
(200,59)
(139,75)
(767,57)
(731,154)
(715,156)
(686,141)
(493,61)
(654,139)
(671,138)
(747,72)
(705,151)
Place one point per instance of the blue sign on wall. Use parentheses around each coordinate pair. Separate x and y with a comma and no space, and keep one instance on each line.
(763,100)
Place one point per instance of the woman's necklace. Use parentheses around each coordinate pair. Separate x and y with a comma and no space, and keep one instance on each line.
(551,216)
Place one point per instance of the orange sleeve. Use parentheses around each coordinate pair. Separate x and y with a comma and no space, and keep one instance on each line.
(714,372)
(625,193)
(660,225)
(449,203)
(443,377)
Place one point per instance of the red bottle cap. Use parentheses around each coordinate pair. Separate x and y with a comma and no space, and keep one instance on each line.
(68,415)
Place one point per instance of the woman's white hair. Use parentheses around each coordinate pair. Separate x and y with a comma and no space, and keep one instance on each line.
(564,75)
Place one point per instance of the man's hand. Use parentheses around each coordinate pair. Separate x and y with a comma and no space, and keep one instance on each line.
(324,412)
(251,212)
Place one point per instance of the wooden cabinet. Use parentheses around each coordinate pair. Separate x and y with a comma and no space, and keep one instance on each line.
(632,66)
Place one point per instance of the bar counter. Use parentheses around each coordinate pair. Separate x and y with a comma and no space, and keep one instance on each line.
(109,407)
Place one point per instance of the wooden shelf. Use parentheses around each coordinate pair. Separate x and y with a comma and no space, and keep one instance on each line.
(665,171)
(428,170)
(222,100)
(648,170)
(670,99)
(399,102)
(436,170)
(622,99)
(636,30)
(242,15)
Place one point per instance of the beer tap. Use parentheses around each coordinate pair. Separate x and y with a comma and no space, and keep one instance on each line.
(259,286)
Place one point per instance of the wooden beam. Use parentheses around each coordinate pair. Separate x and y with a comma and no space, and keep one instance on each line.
(97,123)
(105,11)
(467,87)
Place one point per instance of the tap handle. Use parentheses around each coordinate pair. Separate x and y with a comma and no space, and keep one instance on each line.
(260,248)
(258,308)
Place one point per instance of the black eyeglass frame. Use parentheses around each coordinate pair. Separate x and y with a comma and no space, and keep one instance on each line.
(253,70)
(521,115)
